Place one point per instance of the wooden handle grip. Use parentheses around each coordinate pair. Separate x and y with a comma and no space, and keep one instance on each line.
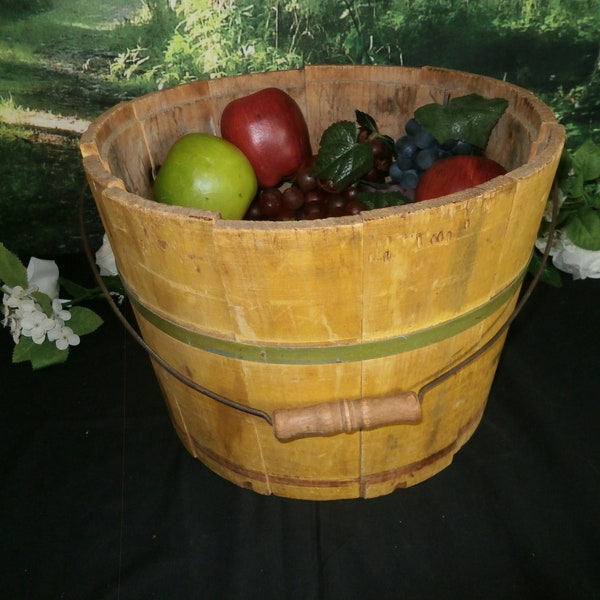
(345,416)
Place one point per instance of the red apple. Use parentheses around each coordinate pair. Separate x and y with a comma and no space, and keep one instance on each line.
(456,173)
(269,128)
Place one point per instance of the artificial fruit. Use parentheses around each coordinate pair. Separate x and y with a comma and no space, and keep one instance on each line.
(269,128)
(205,171)
(456,173)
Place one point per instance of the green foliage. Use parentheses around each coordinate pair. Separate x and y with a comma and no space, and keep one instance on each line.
(12,271)
(583,228)
(22,7)
(578,108)
(39,355)
(40,185)
(341,159)
(83,320)
(373,200)
(232,38)
(579,179)
(549,274)
(159,22)
(40,349)
(469,118)
(525,40)
(549,47)
(567,18)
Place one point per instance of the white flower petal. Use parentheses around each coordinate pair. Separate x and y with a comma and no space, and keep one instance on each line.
(54,333)
(35,325)
(14,296)
(27,305)
(558,243)
(580,263)
(63,337)
(39,339)
(73,339)
(62,343)
(44,275)
(105,259)
(58,310)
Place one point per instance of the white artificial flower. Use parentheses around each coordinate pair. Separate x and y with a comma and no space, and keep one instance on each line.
(63,336)
(13,297)
(43,275)
(21,312)
(572,259)
(25,317)
(13,318)
(14,324)
(579,262)
(16,303)
(542,242)
(28,305)
(58,311)
(105,259)
(36,324)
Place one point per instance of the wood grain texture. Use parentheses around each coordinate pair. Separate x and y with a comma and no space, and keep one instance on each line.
(378,275)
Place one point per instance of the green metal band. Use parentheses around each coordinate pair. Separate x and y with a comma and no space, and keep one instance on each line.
(306,355)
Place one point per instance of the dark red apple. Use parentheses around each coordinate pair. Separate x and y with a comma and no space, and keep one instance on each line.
(454,174)
(269,128)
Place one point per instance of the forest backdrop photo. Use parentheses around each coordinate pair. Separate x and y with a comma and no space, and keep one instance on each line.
(99,497)
(64,62)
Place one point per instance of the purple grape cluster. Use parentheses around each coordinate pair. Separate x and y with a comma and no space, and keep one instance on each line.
(418,150)
(308,197)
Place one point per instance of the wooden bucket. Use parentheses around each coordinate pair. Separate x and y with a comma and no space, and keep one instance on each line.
(328,327)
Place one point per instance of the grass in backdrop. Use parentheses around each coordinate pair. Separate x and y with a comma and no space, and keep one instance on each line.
(55,63)
(59,60)
(41,185)
(76,58)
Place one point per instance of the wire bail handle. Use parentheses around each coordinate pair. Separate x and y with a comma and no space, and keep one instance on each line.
(330,418)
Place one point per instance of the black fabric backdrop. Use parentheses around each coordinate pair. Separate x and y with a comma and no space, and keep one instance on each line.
(99,500)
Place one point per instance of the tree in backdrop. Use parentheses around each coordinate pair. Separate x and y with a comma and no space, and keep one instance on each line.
(550,46)
(21,7)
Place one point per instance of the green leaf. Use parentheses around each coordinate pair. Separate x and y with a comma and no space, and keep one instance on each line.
(550,274)
(44,301)
(592,194)
(572,184)
(389,141)
(583,228)
(367,121)
(47,355)
(75,290)
(79,293)
(587,159)
(565,165)
(12,270)
(469,118)
(22,350)
(374,200)
(338,137)
(341,159)
(40,355)
(114,284)
(83,320)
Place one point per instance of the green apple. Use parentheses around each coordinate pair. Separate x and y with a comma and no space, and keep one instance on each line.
(205,171)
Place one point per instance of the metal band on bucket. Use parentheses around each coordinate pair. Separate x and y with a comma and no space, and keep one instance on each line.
(341,353)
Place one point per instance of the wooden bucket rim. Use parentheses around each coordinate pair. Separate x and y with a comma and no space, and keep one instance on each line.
(550,139)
